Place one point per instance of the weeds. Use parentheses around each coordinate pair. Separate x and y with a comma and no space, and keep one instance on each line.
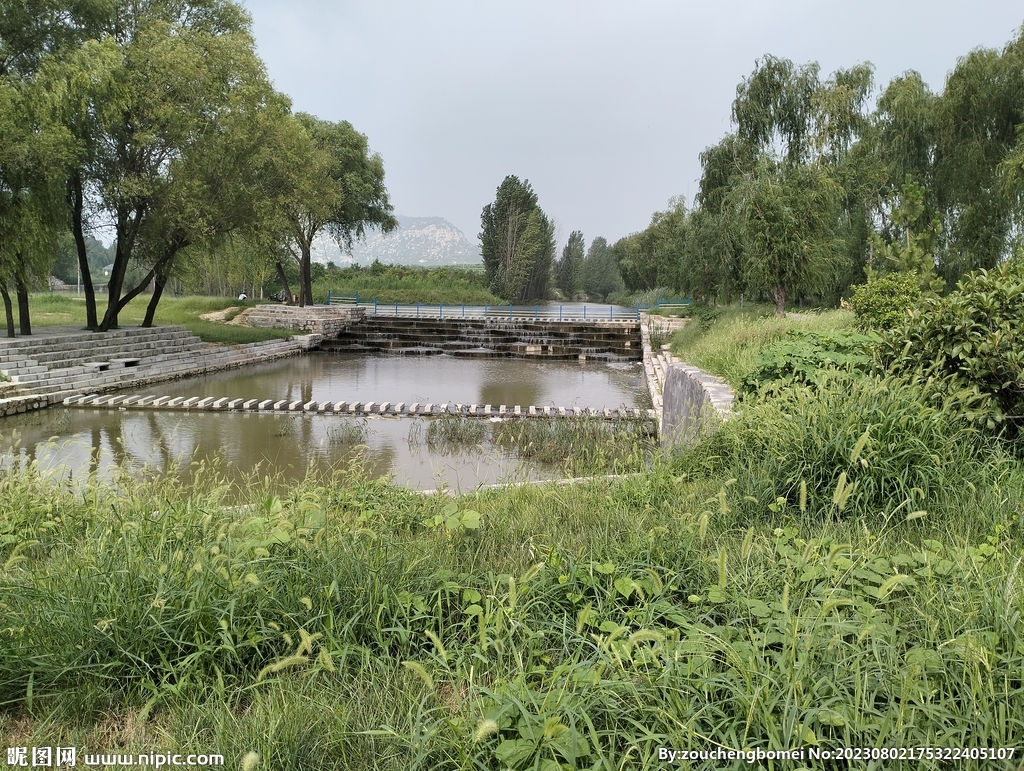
(374,628)
(349,433)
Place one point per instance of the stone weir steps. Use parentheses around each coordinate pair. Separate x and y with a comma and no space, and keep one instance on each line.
(388,409)
(615,341)
(78,361)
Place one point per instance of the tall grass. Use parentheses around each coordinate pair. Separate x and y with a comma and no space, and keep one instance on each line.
(729,347)
(355,625)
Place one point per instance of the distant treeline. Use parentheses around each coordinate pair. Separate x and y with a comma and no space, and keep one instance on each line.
(813,191)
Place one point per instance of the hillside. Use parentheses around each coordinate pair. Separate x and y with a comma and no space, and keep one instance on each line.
(426,241)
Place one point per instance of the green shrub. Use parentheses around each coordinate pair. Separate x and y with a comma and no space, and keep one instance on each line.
(967,346)
(851,445)
(802,356)
(885,302)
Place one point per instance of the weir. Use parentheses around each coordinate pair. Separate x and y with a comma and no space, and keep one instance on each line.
(383,409)
(470,337)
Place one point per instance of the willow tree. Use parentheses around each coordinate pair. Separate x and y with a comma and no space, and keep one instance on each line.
(793,132)
(518,243)
(336,187)
(33,147)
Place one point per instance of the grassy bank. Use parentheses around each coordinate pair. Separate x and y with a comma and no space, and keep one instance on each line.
(355,625)
(61,309)
(728,341)
(838,566)
(451,285)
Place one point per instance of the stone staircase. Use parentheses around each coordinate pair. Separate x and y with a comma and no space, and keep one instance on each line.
(64,361)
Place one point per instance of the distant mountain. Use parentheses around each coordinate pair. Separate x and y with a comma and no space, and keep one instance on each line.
(426,241)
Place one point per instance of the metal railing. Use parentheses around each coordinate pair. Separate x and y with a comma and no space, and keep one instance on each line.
(572,312)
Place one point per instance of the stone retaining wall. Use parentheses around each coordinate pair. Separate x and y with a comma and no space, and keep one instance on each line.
(323,320)
(693,404)
(688,401)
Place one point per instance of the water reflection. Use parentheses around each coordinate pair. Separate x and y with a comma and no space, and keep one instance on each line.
(81,441)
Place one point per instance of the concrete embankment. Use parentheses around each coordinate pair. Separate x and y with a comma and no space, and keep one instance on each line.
(58,362)
(688,402)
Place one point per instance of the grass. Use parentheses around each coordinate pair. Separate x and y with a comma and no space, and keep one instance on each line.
(63,309)
(769,590)
(576,446)
(354,626)
(729,345)
(451,285)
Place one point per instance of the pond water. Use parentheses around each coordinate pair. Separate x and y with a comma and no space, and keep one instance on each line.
(79,441)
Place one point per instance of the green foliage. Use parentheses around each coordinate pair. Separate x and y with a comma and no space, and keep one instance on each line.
(653,257)
(885,302)
(408,284)
(803,357)
(569,269)
(854,445)
(375,628)
(967,346)
(517,242)
(731,346)
(912,240)
(600,272)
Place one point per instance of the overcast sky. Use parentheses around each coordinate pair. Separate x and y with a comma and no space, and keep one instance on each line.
(604,106)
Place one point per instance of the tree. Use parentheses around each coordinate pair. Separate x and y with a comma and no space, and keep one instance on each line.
(908,241)
(788,215)
(979,117)
(795,132)
(517,241)
(569,269)
(600,273)
(32,149)
(337,186)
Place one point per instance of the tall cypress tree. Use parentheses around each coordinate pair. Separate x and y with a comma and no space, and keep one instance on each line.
(569,271)
(518,243)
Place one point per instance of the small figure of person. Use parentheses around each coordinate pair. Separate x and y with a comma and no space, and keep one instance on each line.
(243,296)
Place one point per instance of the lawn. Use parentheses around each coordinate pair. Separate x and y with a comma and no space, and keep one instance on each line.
(54,309)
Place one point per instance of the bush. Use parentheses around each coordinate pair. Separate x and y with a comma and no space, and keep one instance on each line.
(885,302)
(802,357)
(852,445)
(967,346)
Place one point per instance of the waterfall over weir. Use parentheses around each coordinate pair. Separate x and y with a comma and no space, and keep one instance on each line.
(601,340)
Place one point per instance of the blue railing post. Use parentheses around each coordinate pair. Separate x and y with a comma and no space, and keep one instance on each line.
(417,308)
(559,312)
(374,306)
(638,311)
(584,312)
(463,310)
(611,313)
(510,310)
(328,296)
(357,298)
(440,310)
(485,312)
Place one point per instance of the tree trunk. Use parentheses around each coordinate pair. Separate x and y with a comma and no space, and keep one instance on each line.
(284,282)
(127,230)
(23,317)
(158,290)
(75,194)
(780,300)
(305,283)
(9,310)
